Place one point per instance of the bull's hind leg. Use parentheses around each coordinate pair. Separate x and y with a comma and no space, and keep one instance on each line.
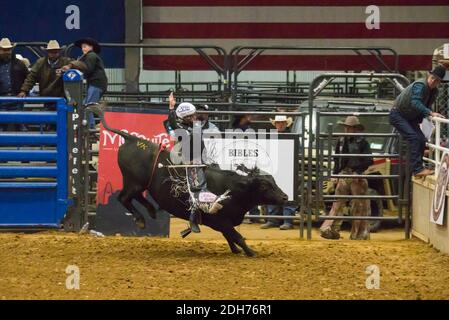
(125,197)
(150,208)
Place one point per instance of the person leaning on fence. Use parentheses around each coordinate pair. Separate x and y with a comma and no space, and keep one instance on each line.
(94,73)
(410,108)
(350,186)
(12,74)
(95,76)
(48,73)
(283,125)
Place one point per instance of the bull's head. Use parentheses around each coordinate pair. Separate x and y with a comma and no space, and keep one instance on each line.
(268,191)
(262,189)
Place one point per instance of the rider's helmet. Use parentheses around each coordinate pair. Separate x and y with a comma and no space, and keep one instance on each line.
(185,110)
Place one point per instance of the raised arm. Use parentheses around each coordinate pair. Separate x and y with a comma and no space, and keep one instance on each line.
(171,111)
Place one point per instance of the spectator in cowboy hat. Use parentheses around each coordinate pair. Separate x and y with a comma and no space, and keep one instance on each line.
(12,74)
(94,74)
(354,186)
(410,108)
(12,70)
(48,73)
(282,124)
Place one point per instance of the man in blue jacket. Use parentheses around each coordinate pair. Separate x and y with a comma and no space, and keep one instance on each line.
(12,74)
(409,110)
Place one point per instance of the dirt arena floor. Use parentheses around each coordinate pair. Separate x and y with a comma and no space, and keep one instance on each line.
(32,266)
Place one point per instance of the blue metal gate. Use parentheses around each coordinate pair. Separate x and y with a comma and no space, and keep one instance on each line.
(33,167)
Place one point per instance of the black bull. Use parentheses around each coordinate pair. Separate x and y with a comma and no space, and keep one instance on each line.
(137,157)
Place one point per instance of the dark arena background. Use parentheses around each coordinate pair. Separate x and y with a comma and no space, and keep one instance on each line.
(334,191)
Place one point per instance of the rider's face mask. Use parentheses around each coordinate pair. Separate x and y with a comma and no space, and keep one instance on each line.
(189,119)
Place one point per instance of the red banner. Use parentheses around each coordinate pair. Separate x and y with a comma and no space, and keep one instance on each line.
(143,125)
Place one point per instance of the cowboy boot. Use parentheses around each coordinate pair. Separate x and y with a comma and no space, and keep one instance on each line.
(202,198)
(193,220)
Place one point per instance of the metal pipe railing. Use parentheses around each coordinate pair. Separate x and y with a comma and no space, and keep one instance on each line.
(437,145)
(321,83)
(255,51)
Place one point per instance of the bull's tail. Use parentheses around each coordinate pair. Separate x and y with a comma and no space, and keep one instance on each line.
(98,110)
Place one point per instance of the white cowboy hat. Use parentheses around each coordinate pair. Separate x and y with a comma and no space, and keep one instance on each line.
(53,45)
(5,43)
(289,120)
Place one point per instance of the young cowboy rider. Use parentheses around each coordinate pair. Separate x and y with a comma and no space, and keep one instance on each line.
(184,118)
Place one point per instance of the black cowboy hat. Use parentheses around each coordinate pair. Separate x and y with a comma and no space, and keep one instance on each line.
(439,71)
(89,41)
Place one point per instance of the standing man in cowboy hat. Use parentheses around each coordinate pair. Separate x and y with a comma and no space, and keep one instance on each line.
(410,108)
(12,70)
(47,72)
(282,124)
(12,74)
(97,82)
(347,186)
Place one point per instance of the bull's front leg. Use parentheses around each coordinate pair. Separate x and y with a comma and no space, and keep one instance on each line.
(237,239)
(231,244)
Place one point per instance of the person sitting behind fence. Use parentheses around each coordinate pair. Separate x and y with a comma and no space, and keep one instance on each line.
(283,125)
(48,73)
(242,122)
(348,186)
(410,108)
(12,74)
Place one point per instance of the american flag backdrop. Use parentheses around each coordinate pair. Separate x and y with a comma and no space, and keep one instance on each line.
(414,28)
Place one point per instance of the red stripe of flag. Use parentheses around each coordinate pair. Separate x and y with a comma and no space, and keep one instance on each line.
(293,31)
(289,62)
(296,3)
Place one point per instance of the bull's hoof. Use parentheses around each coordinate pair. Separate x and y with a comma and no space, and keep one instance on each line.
(236,251)
(250,253)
